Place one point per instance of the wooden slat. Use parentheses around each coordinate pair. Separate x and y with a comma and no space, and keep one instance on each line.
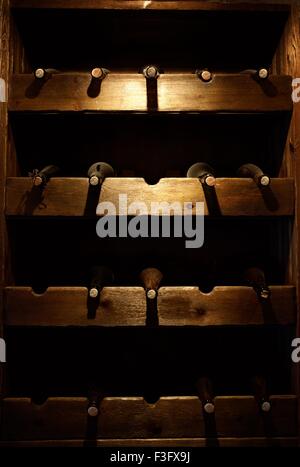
(70,92)
(68,196)
(277,5)
(127,92)
(68,306)
(125,418)
(187,306)
(126,306)
(164,442)
(286,60)
(4,73)
(225,93)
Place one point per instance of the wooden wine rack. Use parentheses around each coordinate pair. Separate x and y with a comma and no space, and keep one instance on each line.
(142,127)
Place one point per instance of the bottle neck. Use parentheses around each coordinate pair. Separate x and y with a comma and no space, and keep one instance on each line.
(207,179)
(208,406)
(96,179)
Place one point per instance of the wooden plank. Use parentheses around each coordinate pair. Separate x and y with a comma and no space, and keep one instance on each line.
(127,92)
(277,5)
(187,306)
(61,197)
(225,93)
(69,196)
(69,91)
(68,306)
(125,418)
(58,419)
(293,59)
(4,72)
(126,306)
(286,60)
(164,442)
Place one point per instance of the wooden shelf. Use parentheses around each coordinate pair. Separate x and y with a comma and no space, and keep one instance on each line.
(132,418)
(68,306)
(176,92)
(71,196)
(163,442)
(187,306)
(153,5)
(126,306)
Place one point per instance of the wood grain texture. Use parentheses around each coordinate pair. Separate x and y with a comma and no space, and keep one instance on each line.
(19,62)
(4,72)
(69,196)
(68,306)
(128,92)
(155,4)
(125,418)
(225,93)
(187,306)
(163,442)
(293,59)
(126,306)
(70,92)
(286,60)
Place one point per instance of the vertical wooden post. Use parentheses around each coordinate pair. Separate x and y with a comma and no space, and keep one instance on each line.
(294,144)
(4,71)
(287,61)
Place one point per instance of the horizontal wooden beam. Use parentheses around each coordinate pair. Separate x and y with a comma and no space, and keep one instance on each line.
(126,306)
(71,196)
(69,306)
(152,5)
(178,92)
(187,306)
(125,418)
(163,442)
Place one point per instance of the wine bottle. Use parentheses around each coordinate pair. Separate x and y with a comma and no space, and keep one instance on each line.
(204,172)
(98,172)
(151,72)
(253,171)
(41,177)
(151,279)
(255,278)
(204,389)
(205,75)
(261,394)
(101,276)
